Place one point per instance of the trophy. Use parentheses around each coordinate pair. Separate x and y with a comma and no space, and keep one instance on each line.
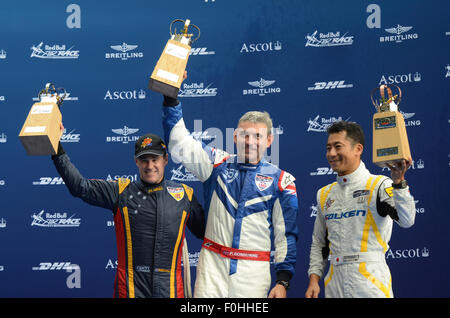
(41,131)
(390,141)
(169,71)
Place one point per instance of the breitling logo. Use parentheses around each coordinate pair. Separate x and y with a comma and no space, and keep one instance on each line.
(400,34)
(261,88)
(123,50)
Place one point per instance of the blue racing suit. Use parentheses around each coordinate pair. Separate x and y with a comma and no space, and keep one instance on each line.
(246,206)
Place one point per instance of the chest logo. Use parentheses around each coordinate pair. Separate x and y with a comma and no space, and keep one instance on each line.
(263,182)
(328,203)
(230,174)
(176,192)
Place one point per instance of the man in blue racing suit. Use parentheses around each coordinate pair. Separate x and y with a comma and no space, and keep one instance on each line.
(247,201)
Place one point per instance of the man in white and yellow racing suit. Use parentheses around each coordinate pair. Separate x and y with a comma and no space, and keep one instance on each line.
(354,220)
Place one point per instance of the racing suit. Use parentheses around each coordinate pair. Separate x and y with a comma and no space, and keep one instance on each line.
(354,218)
(150,222)
(245,206)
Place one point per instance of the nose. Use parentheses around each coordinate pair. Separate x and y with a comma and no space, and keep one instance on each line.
(331,152)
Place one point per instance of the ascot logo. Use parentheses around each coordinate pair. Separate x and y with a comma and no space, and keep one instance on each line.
(400,78)
(261,89)
(124,53)
(2,54)
(54,52)
(400,34)
(125,95)
(261,47)
(328,39)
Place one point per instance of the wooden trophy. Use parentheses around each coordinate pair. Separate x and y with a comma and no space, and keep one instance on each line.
(390,141)
(41,131)
(168,73)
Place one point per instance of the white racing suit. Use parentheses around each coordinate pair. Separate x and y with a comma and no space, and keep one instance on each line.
(354,218)
(245,206)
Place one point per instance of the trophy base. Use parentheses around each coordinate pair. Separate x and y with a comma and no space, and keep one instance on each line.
(384,164)
(41,145)
(163,88)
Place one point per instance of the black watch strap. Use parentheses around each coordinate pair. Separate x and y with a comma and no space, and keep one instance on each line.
(401,185)
(284,283)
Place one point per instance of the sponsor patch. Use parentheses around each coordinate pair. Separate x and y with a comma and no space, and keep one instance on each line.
(176,192)
(263,182)
(389,191)
(359,193)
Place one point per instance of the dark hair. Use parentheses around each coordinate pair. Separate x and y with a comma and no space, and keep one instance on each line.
(354,131)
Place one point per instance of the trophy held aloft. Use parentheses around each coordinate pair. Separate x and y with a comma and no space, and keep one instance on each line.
(390,141)
(169,70)
(41,131)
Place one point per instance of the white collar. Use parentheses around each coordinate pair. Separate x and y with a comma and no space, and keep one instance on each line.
(354,176)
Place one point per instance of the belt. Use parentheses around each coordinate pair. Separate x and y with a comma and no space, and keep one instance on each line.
(235,253)
(357,258)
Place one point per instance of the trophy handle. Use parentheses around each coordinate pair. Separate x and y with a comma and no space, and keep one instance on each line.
(389,92)
(50,89)
(185,30)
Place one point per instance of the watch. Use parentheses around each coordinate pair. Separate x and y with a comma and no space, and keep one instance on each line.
(401,185)
(284,283)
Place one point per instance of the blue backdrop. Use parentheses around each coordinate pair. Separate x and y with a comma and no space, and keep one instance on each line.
(308,63)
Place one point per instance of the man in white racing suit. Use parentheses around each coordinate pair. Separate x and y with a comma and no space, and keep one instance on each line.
(248,202)
(354,220)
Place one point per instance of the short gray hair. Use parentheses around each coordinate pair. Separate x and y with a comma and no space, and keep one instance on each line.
(258,117)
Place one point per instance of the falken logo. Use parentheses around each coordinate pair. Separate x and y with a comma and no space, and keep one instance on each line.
(125,133)
(54,52)
(399,34)
(123,54)
(328,39)
(345,215)
(261,89)
(329,85)
(54,220)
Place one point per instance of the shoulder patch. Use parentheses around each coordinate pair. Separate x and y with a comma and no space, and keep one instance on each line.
(189,191)
(389,191)
(123,183)
(285,179)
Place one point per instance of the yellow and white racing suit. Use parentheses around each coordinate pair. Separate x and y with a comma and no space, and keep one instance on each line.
(354,221)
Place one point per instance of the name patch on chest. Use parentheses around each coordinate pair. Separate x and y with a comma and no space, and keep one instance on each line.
(359,193)
(263,182)
(176,192)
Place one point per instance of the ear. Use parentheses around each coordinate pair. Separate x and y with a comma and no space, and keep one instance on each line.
(235,135)
(166,159)
(359,149)
(269,140)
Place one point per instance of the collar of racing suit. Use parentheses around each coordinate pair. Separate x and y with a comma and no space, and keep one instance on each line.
(150,187)
(249,166)
(354,176)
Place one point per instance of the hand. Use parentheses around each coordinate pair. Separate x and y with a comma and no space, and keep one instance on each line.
(313,287)
(184,76)
(278,291)
(61,127)
(398,169)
